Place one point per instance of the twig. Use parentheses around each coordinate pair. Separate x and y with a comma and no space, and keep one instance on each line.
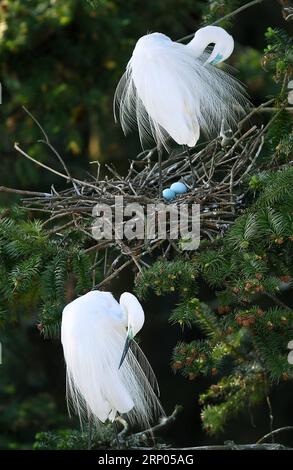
(60,228)
(287,10)
(229,15)
(4,189)
(165,422)
(271,416)
(113,275)
(277,300)
(46,167)
(274,109)
(124,265)
(231,446)
(276,431)
(48,143)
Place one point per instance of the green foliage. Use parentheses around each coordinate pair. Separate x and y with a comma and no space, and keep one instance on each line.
(102,438)
(278,143)
(245,345)
(168,277)
(256,78)
(235,393)
(43,279)
(279,55)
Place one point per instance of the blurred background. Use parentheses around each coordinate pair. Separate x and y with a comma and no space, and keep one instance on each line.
(62,60)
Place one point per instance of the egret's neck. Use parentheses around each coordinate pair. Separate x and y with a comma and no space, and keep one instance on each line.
(199,43)
(223,43)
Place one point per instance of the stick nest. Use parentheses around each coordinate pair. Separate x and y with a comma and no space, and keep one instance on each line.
(219,166)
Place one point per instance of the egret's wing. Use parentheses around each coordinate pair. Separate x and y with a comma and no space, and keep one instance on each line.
(92,344)
(160,98)
(146,367)
(94,382)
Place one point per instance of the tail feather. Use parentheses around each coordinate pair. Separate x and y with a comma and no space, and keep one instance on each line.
(146,367)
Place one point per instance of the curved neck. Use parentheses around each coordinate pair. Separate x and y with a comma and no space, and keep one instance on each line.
(201,40)
(223,43)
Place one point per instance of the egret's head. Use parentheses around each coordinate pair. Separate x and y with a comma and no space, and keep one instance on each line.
(223,43)
(133,317)
(133,313)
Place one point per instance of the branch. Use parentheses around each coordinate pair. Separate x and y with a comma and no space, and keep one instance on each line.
(4,189)
(228,446)
(277,300)
(46,167)
(229,15)
(288,109)
(287,9)
(272,433)
(165,422)
(48,143)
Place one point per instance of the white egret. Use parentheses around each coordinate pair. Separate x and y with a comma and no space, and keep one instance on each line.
(104,378)
(174,90)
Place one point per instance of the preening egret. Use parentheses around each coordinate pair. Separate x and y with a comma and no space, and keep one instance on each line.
(174,90)
(104,378)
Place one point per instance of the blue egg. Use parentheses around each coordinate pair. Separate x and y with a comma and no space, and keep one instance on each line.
(168,194)
(178,188)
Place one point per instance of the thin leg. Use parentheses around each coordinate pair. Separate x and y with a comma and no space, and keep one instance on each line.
(116,434)
(191,166)
(90,435)
(160,152)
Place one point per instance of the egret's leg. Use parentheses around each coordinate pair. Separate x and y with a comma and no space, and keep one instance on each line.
(160,152)
(191,166)
(90,435)
(115,427)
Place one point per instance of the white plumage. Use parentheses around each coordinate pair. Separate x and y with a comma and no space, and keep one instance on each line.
(93,334)
(175,90)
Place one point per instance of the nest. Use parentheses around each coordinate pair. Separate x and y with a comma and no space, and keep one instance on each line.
(219,168)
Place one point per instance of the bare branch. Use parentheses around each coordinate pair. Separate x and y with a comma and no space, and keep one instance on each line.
(226,17)
(273,433)
(4,189)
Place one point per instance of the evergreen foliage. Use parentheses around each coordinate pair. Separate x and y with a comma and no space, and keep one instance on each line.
(39,271)
(68,439)
(243,345)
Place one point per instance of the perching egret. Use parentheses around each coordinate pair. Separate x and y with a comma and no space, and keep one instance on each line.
(104,378)
(174,90)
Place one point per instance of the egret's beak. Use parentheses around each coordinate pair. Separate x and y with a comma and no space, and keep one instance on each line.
(129,338)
